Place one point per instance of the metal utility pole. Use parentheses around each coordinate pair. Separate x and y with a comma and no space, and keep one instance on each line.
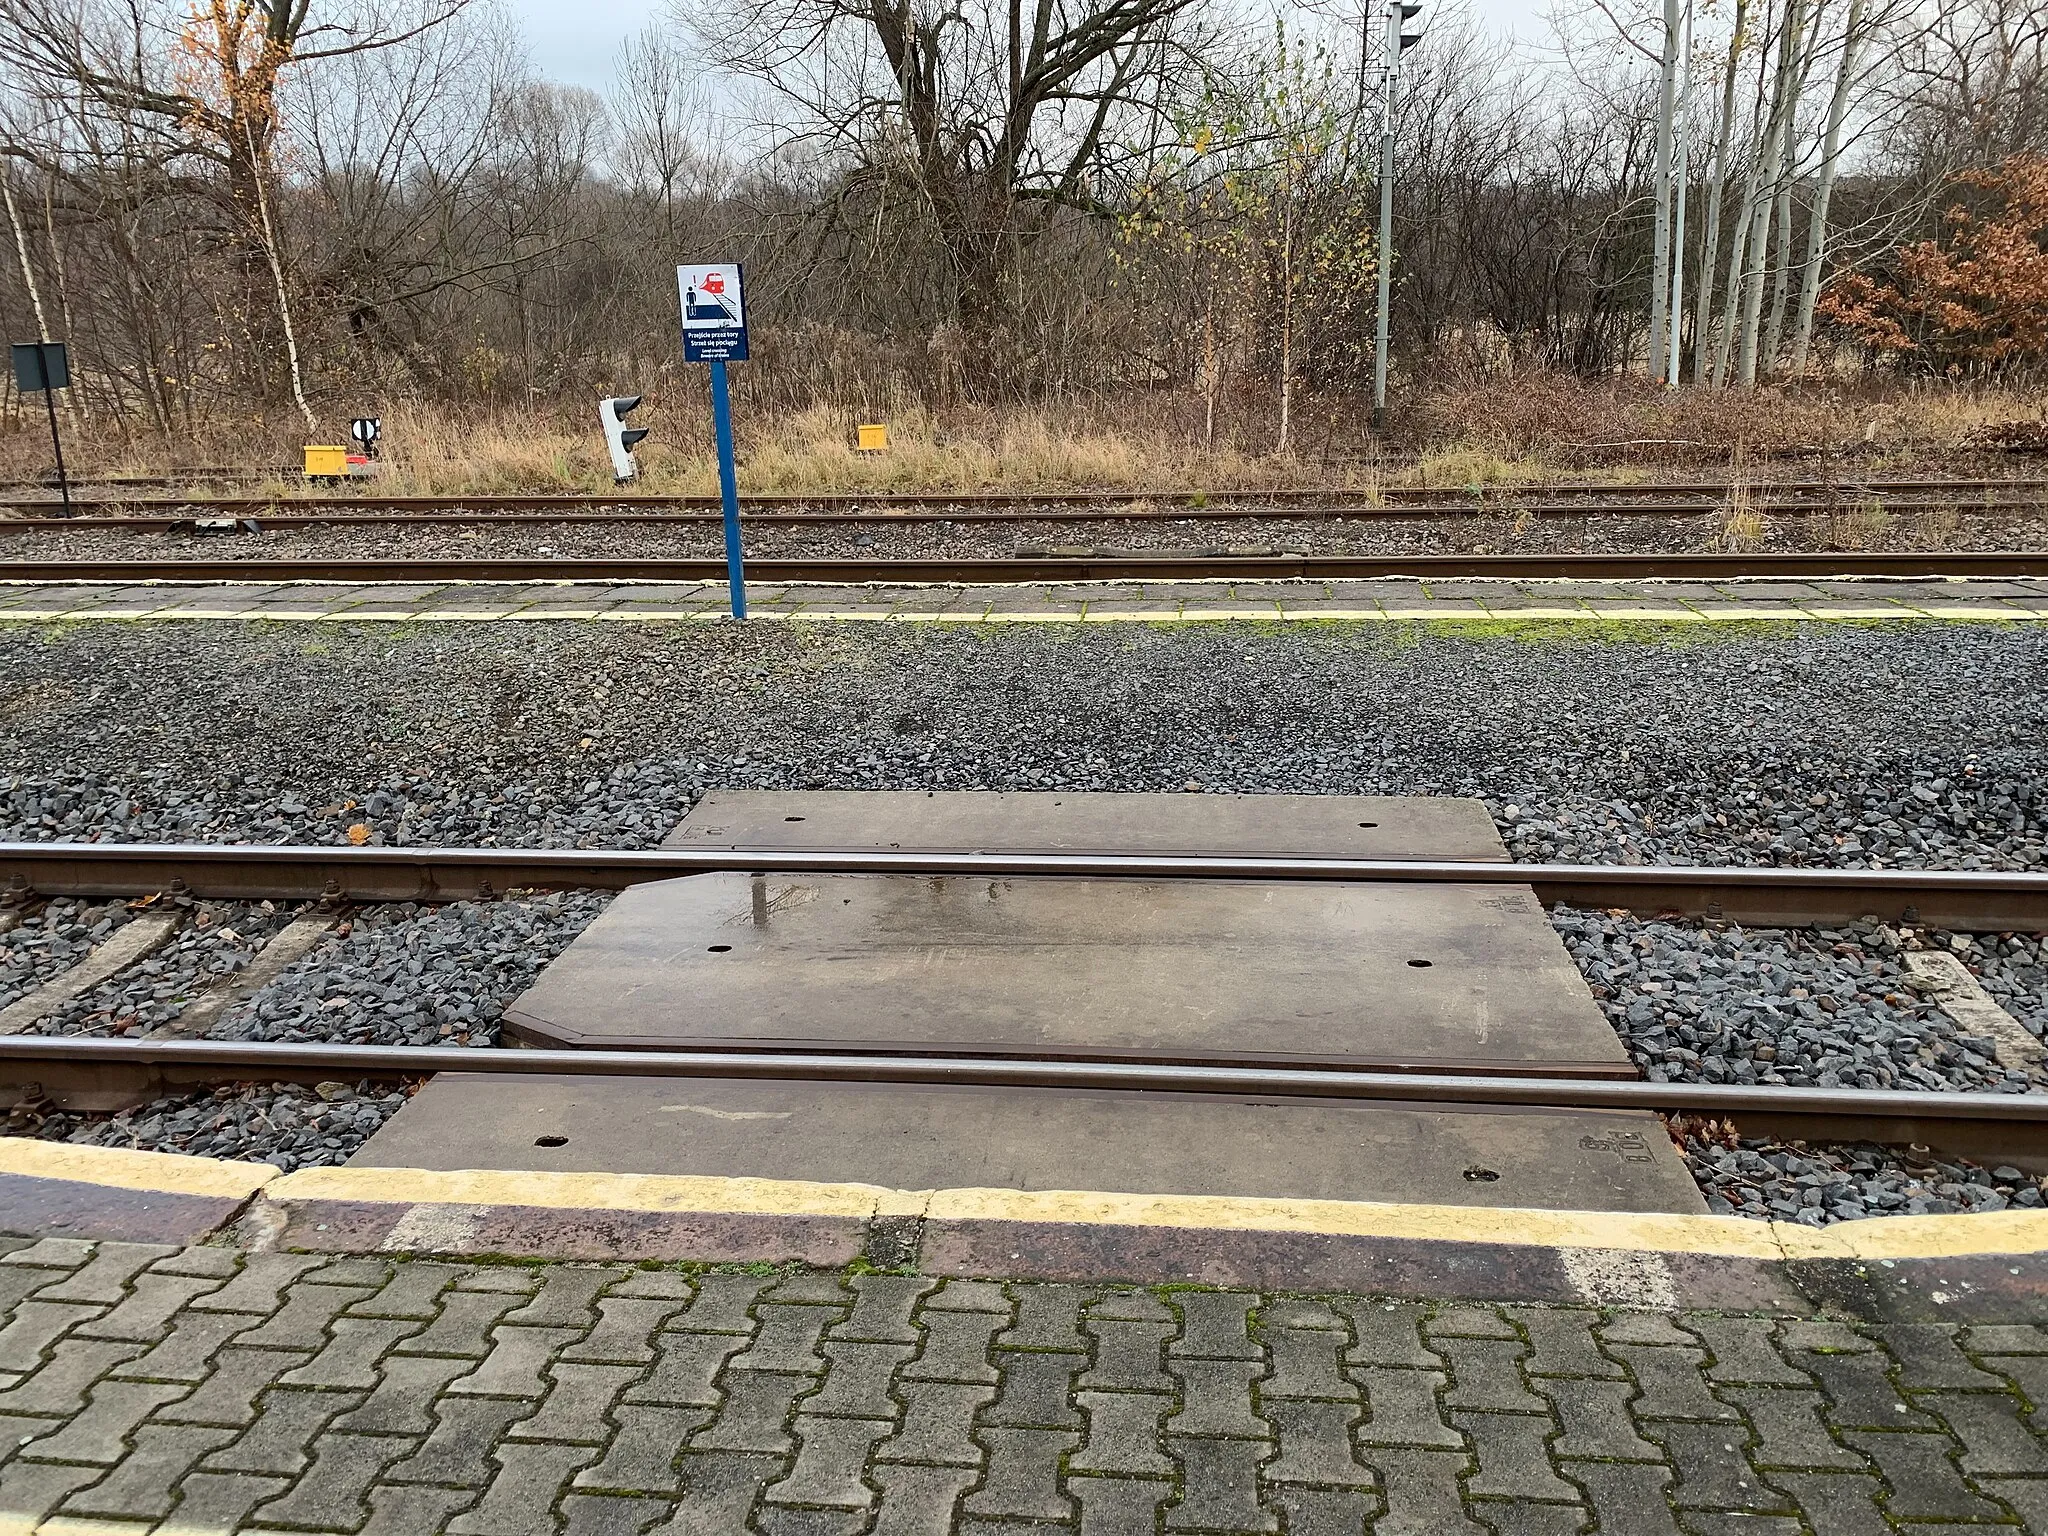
(1398,42)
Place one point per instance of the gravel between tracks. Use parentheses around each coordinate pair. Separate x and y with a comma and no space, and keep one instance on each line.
(1497,533)
(52,939)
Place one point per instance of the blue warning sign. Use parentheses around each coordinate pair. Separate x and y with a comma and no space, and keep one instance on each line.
(714,314)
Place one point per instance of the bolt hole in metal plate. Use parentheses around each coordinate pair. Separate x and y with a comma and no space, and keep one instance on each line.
(551,1141)
(1477,1175)
(1421,965)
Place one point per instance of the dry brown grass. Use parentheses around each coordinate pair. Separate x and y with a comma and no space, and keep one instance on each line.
(1490,432)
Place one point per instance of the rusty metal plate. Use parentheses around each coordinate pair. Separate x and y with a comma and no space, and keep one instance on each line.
(916,1137)
(965,821)
(1170,970)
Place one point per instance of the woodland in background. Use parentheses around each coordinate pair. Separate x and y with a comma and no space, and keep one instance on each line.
(268,215)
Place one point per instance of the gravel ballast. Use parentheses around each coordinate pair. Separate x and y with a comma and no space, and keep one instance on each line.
(1799,1007)
(293,1125)
(1500,531)
(1906,744)
(50,940)
(1818,1185)
(402,974)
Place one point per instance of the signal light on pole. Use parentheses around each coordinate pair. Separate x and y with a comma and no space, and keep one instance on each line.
(620,438)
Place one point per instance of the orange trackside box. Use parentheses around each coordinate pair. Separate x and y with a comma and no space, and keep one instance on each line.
(325,461)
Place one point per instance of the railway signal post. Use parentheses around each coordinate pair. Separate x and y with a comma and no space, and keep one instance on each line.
(715,332)
(44,367)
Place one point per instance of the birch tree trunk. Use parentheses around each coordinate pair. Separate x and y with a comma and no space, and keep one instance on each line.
(1660,242)
(1781,288)
(1824,186)
(28,275)
(1710,242)
(1771,168)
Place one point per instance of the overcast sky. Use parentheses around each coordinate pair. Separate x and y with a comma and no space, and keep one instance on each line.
(575,41)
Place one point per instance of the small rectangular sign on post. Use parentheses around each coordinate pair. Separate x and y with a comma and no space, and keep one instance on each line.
(715,332)
(41,365)
(43,368)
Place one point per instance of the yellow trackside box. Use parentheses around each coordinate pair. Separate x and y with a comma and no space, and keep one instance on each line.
(322,462)
(873,439)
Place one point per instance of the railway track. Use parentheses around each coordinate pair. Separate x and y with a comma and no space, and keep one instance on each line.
(1122,565)
(1673,499)
(2003,1124)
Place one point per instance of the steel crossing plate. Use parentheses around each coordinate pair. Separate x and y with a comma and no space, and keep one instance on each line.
(916,1137)
(962,821)
(1173,969)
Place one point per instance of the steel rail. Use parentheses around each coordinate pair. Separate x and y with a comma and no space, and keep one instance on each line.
(1971,900)
(1687,495)
(1012,570)
(67,1062)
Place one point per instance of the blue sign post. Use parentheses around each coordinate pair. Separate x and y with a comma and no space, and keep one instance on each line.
(715,332)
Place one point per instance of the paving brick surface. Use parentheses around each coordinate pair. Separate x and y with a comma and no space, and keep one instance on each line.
(158,1390)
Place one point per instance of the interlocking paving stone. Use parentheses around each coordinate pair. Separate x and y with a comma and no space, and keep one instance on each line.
(1670,1381)
(333,1495)
(144,1485)
(58,1388)
(1561,1344)
(644,1453)
(754,1415)
(1216,1399)
(1215,1324)
(229,1395)
(513,1367)
(462,1325)
(350,1359)
(1388,1333)
(1324,1511)
(1305,1364)
(625,1331)
(520,1498)
(1839,1503)
(882,1309)
(1712,1465)
(1021,1481)
(403,1401)
(686,1368)
(937,1416)
(1513,1459)
(1929,1360)
(280,1441)
(33,1329)
(211,1502)
(955,1346)
(857,1381)
(1037,1390)
(458,1451)
(1422,1493)
(718,1490)
(1130,1355)
(723,1304)
(1315,1444)
(145,1315)
(414,1290)
(969,1408)
(1745,1350)
(578,1398)
(1219,1486)
(1486,1373)
(829,1458)
(112,1412)
(1789,1430)
(1404,1408)
(788,1340)
(105,1279)
(1123,1434)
